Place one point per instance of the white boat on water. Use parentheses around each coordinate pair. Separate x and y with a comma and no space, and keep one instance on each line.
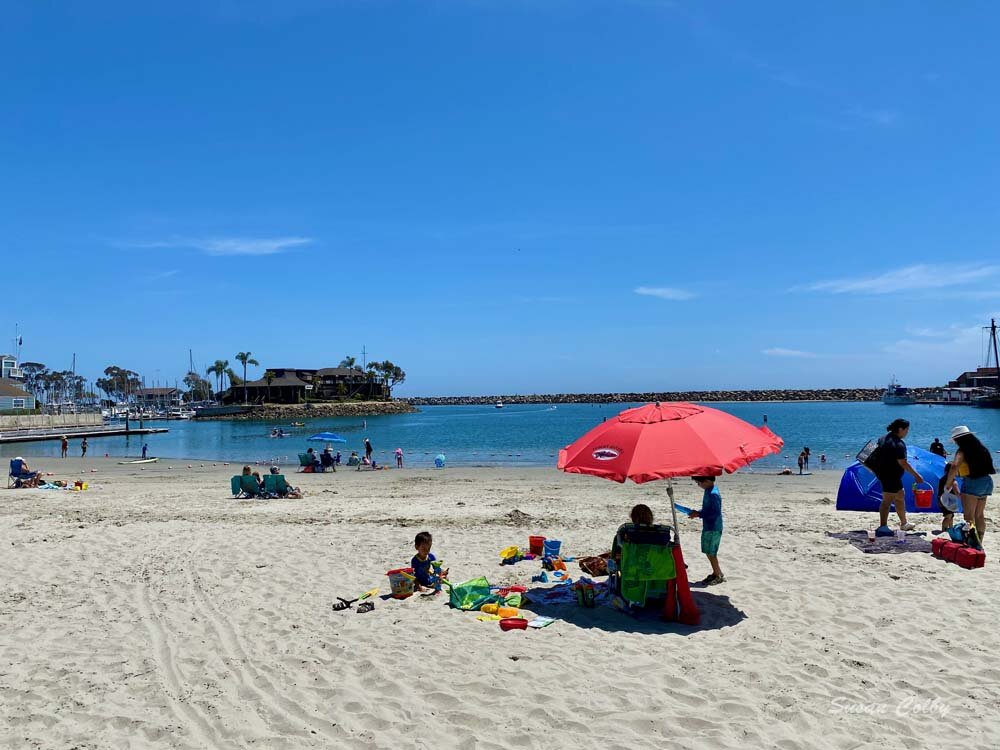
(499,404)
(897,395)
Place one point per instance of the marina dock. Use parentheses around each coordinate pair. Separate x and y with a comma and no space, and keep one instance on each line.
(49,433)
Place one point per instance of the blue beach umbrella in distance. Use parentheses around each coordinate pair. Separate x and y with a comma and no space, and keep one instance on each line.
(860,490)
(327,437)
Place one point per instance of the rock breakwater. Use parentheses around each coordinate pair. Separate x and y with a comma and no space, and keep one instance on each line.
(825,394)
(298,412)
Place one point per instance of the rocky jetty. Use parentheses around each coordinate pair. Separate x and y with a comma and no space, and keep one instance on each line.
(825,394)
(298,412)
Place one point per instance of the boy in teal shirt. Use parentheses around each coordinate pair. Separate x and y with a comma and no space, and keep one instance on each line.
(711,533)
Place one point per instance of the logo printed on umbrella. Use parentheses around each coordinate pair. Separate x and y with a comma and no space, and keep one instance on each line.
(606,453)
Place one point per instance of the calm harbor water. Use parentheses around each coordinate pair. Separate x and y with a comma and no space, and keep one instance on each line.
(531,435)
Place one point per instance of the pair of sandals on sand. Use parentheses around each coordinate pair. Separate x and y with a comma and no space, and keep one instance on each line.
(711,580)
(343,604)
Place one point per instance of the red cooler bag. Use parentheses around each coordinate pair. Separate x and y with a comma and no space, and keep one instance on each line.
(968,557)
(937,545)
(950,550)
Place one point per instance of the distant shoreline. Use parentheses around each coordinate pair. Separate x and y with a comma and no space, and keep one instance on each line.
(748,396)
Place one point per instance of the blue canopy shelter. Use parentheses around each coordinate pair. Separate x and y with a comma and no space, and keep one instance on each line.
(327,437)
(860,490)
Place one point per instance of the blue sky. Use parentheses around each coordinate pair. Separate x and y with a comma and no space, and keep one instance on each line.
(505,196)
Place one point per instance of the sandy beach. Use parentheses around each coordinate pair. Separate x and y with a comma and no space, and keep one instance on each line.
(154,611)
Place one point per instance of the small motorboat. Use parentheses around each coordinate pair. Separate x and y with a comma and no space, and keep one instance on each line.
(298,424)
(499,404)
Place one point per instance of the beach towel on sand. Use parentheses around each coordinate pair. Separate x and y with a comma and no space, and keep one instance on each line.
(884,545)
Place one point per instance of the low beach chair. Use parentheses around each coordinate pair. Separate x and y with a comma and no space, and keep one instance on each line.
(305,461)
(275,484)
(236,483)
(17,475)
(643,562)
(248,486)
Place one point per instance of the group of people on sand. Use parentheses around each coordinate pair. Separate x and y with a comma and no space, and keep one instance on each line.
(969,475)
(293,492)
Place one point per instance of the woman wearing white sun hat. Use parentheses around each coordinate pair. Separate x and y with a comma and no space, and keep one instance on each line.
(974,465)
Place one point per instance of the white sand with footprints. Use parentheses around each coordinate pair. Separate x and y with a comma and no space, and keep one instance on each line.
(153,611)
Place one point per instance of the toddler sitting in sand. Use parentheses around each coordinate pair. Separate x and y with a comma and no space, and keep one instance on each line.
(424,570)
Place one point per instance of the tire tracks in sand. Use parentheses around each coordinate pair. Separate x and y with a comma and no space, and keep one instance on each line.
(197,724)
(251,679)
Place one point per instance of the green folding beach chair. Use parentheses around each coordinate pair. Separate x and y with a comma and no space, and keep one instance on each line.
(249,486)
(305,459)
(237,484)
(275,484)
(645,562)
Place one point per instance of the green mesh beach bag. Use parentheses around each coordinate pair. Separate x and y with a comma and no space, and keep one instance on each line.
(471,594)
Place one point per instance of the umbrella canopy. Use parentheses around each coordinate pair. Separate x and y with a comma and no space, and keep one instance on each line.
(327,437)
(659,441)
(860,490)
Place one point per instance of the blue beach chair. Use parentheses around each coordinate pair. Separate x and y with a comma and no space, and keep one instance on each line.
(18,477)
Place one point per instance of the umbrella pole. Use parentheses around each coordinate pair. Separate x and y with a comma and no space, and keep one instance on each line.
(673,512)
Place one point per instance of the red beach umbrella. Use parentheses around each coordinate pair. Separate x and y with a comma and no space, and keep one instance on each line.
(659,441)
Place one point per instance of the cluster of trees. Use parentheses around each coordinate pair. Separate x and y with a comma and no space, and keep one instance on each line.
(119,383)
(53,386)
(386,372)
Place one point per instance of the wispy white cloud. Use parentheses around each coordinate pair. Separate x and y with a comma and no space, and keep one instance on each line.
(955,347)
(778,351)
(161,275)
(929,333)
(908,279)
(250,246)
(884,118)
(227,245)
(665,292)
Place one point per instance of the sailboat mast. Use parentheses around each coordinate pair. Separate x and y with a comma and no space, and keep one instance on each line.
(996,354)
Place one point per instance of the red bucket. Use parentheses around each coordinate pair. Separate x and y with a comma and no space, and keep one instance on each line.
(923,498)
(536,545)
(401,582)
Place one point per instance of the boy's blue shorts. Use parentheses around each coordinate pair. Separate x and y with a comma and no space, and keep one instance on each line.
(710,542)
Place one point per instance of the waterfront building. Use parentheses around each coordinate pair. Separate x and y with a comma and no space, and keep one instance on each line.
(13,396)
(981,377)
(293,385)
(9,369)
(160,399)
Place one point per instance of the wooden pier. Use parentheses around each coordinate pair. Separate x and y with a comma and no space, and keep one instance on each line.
(33,435)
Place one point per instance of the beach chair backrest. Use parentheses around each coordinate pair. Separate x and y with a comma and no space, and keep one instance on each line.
(236,484)
(16,467)
(248,484)
(647,561)
(270,486)
(305,459)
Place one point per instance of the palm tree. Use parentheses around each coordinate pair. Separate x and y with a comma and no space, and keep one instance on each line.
(218,369)
(247,359)
(269,378)
(348,362)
